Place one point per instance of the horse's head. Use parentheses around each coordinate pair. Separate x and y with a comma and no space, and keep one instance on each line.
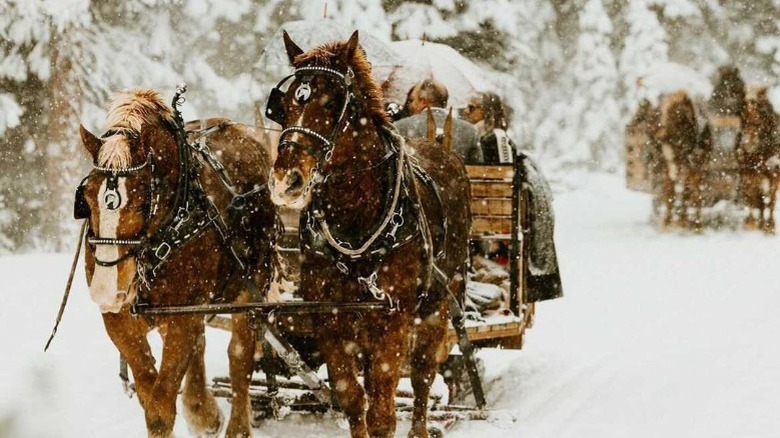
(120,194)
(758,122)
(678,125)
(329,94)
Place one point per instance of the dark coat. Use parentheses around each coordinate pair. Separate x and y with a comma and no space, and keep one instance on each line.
(544,277)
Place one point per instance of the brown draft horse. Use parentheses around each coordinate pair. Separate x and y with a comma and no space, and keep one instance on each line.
(372,225)
(140,215)
(686,153)
(757,149)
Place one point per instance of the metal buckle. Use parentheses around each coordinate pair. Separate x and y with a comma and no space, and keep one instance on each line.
(370,284)
(396,221)
(162,251)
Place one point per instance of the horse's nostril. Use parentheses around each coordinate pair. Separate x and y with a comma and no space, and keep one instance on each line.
(294,181)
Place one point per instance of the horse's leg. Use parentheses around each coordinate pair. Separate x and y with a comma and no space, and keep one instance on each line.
(749,192)
(767,203)
(383,372)
(773,183)
(341,356)
(429,338)
(668,194)
(698,199)
(203,417)
(128,334)
(241,354)
(180,334)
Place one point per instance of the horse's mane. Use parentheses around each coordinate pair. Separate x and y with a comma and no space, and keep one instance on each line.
(130,110)
(329,55)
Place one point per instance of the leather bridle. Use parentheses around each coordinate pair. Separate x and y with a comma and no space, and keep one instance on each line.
(275,112)
(152,196)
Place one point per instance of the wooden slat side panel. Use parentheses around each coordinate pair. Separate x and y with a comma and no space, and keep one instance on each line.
(491,189)
(491,225)
(505,172)
(491,207)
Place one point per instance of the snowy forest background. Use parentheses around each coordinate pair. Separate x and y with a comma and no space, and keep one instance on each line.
(569,69)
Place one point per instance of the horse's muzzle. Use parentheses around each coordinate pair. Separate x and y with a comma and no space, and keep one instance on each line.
(289,189)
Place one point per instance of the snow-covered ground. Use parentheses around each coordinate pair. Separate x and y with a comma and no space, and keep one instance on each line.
(659,334)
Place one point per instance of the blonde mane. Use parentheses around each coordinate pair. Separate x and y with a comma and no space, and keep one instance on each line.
(130,110)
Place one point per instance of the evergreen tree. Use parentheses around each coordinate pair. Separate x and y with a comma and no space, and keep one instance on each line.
(588,118)
(645,46)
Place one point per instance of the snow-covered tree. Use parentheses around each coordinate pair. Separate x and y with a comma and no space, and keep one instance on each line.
(645,46)
(581,129)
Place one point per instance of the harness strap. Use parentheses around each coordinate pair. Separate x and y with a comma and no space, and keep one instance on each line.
(339,246)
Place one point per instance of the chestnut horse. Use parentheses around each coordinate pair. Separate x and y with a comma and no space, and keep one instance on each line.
(381,220)
(686,153)
(165,228)
(757,148)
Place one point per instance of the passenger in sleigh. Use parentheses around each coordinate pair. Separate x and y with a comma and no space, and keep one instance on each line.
(489,115)
(432,94)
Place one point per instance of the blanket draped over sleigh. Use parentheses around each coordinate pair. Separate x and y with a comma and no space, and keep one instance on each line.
(544,279)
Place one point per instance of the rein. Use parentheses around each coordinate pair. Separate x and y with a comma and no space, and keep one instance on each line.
(68,285)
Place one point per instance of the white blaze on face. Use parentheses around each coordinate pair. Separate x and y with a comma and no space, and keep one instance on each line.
(298,122)
(668,154)
(104,288)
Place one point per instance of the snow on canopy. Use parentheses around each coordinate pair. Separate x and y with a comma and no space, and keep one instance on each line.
(424,59)
(273,64)
(669,77)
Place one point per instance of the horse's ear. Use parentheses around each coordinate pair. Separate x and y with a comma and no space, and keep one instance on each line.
(349,49)
(430,133)
(292,49)
(447,142)
(91,143)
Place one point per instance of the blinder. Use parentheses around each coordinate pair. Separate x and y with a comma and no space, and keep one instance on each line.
(80,205)
(274,109)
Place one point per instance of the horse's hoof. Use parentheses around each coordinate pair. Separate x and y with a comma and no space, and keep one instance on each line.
(215,431)
(435,431)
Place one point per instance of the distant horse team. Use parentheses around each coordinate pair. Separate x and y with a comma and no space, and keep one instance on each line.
(690,148)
